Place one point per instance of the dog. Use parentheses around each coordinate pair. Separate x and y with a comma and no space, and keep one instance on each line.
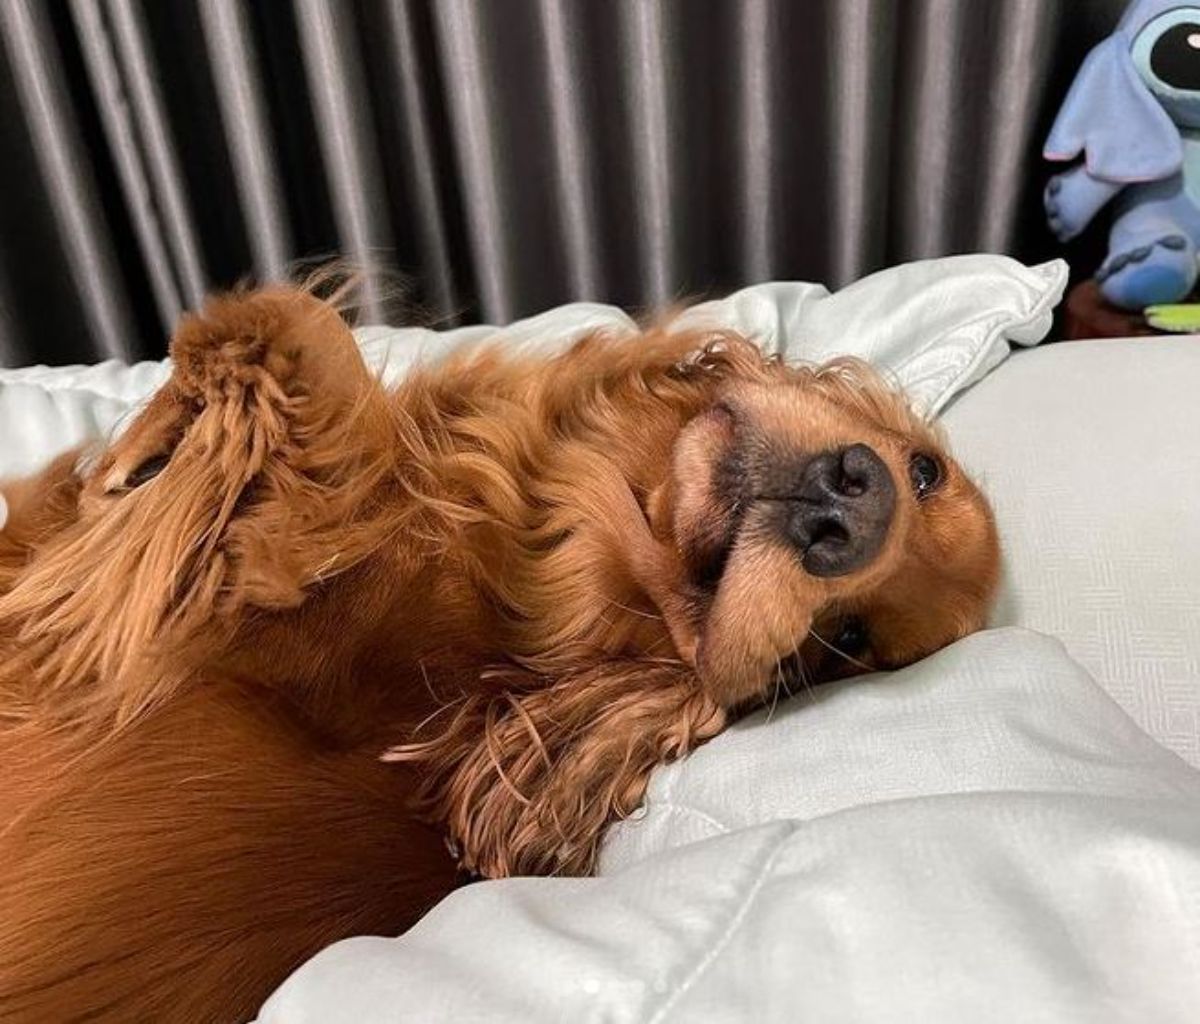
(295,655)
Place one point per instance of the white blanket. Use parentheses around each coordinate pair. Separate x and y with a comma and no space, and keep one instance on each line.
(981,837)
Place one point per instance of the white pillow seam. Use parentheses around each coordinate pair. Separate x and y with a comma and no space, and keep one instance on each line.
(731,929)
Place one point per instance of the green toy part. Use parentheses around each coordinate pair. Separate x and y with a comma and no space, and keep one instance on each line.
(1177,318)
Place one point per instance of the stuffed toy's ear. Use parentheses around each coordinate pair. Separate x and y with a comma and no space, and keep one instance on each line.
(1111,117)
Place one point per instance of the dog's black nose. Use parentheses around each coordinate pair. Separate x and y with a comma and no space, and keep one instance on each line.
(842,510)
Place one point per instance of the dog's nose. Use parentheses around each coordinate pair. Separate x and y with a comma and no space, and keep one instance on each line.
(842,510)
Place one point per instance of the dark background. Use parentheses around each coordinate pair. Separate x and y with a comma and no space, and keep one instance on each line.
(508,155)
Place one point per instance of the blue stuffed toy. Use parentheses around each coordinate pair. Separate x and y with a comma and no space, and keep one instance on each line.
(1133,112)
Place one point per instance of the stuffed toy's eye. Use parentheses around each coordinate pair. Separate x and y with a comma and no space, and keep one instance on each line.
(1175,56)
(1166,54)
(925,472)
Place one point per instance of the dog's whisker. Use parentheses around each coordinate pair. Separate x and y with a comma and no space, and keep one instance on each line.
(784,683)
(429,718)
(428,683)
(802,672)
(841,654)
(633,611)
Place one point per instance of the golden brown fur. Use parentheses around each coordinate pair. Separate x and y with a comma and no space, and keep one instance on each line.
(287,617)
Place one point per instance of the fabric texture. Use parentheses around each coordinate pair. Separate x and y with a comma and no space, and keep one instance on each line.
(932,326)
(506,156)
(983,836)
(1090,454)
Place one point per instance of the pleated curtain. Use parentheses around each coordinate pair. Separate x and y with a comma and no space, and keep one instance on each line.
(501,156)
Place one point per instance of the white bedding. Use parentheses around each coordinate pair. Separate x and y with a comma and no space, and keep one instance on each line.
(981,837)
(1090,452)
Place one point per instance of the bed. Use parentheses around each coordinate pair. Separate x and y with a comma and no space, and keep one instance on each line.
(1009,830)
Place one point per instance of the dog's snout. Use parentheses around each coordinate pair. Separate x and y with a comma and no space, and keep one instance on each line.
(843,507)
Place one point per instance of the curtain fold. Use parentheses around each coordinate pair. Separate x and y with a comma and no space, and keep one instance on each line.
(53,143)
(466,59)
(570,146)
(861,33)
(237,76)
(502,156)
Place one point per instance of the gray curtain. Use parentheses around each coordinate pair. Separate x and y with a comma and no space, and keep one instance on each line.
(506,155)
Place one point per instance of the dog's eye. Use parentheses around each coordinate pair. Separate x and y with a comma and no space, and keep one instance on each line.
(147,471)
(852,637)
(925,472)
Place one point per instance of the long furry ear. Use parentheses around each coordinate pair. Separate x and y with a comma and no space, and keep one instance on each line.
(527,778)
(36,508)
(272,438)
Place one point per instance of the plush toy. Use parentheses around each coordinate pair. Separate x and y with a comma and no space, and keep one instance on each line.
(1133,113)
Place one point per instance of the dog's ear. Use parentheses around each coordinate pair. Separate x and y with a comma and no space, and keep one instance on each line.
(527,777)
(246,480)
(33,509)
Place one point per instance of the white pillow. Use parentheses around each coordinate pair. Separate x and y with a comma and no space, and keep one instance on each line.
(933,326)
(1005,710)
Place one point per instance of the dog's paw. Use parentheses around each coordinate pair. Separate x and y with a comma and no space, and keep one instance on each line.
(276,336)
(255,374)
